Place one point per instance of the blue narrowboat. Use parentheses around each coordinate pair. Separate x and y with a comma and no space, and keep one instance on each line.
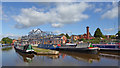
(48,46)
(108,47)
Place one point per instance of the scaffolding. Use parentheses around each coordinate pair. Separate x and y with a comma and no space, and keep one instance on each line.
(38,36)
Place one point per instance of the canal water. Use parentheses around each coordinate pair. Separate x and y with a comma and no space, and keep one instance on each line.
(12,58)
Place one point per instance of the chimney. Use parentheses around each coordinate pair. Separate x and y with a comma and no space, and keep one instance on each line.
(87,32)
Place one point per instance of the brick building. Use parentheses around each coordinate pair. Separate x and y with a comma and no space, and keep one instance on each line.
(84,36)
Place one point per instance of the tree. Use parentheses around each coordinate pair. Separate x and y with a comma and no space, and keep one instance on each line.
(62,34)
(81,39)
(6,40)
(118,37)
(112,36)
(103,36)
(67,36)
(98,33)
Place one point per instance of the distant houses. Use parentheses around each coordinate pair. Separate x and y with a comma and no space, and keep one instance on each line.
(84,36)
(111,36)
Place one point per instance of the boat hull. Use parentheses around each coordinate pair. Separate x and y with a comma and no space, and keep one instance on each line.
(108,47)
(47,46)
(81,50)
(22,51)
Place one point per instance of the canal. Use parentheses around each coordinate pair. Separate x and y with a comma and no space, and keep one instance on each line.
(12,58)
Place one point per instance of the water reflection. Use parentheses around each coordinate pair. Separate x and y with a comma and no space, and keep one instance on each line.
(26,57)
(82,56)
(51,56)
(111,55)
(6,48)
(63,55)
(90,58)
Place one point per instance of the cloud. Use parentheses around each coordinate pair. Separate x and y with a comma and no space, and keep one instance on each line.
(57,25)
(62,31)
(61,14)
(109,29)
(111,13)
(57,31)
(13,36)
(97,10)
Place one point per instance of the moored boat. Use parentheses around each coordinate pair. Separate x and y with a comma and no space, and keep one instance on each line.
(48,46)
(86,48)
(108,47)
(24,49)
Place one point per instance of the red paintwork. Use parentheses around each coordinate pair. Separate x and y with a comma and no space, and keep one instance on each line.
(58,44)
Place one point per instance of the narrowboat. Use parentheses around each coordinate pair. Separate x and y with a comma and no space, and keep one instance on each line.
(48,46)
(80,45)
(24,49)
(108,47)
(84,48)
(70,44)
(56,46)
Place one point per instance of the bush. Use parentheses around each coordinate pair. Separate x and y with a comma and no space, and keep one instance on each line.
(81,39)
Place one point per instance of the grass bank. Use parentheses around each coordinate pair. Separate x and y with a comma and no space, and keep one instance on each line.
(41,51)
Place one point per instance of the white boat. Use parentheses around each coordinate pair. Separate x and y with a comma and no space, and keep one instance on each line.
(70,44)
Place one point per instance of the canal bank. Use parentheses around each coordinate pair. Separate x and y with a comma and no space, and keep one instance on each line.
(40,51)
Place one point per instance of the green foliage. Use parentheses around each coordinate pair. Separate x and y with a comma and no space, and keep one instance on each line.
(117,41)
(67,36)
(104,41)
(6,48)
(98,33)
(112,36)
(103,36)
(118,37)
(94,41)
(81,39)
(62,34)
(74,41)
(6,40)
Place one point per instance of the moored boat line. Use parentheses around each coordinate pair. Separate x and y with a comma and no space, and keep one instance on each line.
(29,49)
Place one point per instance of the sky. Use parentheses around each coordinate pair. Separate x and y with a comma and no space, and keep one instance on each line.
(19,18)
